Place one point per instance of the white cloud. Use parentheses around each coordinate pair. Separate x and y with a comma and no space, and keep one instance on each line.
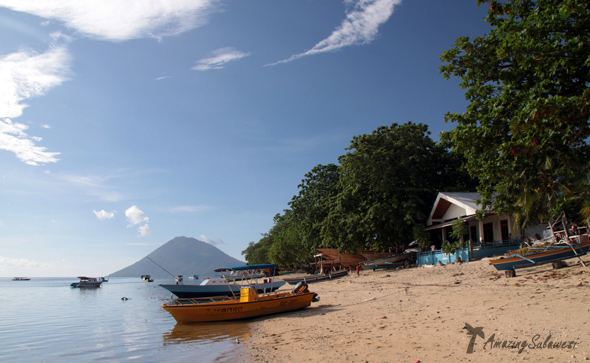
(24,75)
(219,58)
(211,241)
(14,139)
(360,27)
(135,216)
(117,20)
(92,185)
(19,262)
(144,230)
(102,214)
(190,209)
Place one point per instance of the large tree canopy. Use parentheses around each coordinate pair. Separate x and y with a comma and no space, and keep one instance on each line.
(525,132)
(388,183)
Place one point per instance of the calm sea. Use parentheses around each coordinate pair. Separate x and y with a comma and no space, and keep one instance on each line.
(45,320)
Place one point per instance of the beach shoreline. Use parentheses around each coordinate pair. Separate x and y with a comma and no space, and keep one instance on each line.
(461,312)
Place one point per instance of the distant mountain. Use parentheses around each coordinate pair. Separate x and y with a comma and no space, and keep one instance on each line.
(180,256)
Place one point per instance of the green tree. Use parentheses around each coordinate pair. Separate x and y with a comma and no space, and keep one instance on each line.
(313,203)
(525,132)
(287,249)
(257,252)
(388,182)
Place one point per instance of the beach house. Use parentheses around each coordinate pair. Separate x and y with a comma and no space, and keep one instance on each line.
(487,237)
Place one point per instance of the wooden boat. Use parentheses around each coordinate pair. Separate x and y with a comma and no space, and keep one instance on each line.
(250,304)
(549,254)
(219,287)
(225,287)
(315,278)
(21,279)
(403,259)
(87,282)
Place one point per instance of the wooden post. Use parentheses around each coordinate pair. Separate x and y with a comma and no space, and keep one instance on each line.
(510,273)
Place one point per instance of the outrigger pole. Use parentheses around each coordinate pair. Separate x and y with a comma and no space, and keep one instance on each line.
(160,266)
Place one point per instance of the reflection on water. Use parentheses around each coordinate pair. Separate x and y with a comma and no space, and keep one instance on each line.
(45,320)
(209,332)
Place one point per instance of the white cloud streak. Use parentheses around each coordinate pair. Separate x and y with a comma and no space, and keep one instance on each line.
(24,75)
(19,262)
(190,209)
(117,20)
(211,241)
(219,58)
(360,27)
(103,214)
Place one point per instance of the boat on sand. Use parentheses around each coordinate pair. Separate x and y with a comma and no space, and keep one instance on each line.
(315,278)
(577,247)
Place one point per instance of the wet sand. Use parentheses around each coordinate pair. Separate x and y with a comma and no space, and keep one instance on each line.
(420,315)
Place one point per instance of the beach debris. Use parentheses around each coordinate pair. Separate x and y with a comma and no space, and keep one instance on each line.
(370,299)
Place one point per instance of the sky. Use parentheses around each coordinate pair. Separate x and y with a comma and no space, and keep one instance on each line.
(124,124)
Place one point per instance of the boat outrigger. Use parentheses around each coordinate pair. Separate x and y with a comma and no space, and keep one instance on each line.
(570,247)
(248,304)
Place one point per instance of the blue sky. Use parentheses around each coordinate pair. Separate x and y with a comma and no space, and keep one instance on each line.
(124,124)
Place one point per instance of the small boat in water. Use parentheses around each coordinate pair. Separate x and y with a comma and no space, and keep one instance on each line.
(248,305)
(87,282)
(21,279)
(225,287)
(147,278)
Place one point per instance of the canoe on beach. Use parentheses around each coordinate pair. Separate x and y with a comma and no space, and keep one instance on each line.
(315,278)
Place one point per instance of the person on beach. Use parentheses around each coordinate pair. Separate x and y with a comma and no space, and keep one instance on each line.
(358,269)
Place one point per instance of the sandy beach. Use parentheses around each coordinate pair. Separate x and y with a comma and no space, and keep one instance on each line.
(431,314)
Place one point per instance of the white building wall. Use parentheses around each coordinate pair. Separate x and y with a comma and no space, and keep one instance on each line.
(453,212)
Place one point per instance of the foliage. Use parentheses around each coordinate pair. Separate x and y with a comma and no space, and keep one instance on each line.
(295,235)
(388,182)
(257,252)
(452,247)
(312,204)
(525,132)
(421,236)
(459,229)
(287,250)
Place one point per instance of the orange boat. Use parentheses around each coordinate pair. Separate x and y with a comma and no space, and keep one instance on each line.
(250,304)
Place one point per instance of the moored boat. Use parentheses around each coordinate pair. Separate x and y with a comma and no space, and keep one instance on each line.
(315,278)
(87,282)
(223,286)
(248,305)
(21,279)
(537,256)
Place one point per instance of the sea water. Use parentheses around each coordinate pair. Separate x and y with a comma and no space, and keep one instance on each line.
(46,320)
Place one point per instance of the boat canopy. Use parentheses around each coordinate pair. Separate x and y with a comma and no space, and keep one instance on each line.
(247,267)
